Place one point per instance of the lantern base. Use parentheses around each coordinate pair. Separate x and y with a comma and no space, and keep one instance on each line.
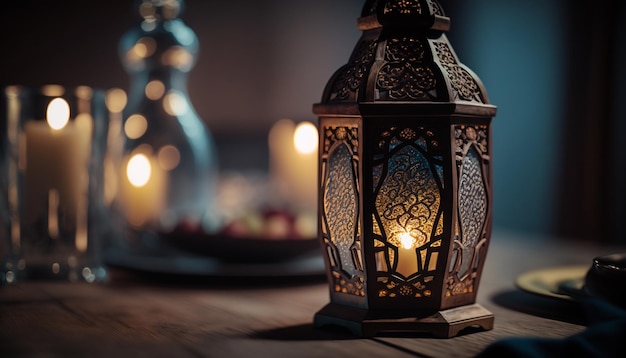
(443,324)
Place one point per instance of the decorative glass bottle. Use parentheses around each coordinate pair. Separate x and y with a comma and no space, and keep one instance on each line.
(168,166)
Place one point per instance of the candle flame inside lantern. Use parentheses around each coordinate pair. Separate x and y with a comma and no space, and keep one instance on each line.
(406,240)
(305,138)
(138,170)
(58,113)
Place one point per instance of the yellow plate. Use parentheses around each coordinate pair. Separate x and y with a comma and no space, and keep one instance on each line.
(557,282)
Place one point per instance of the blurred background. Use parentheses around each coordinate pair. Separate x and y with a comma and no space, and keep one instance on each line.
(554,69)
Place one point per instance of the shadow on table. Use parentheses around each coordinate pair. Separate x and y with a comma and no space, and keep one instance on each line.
(546,307)
(304,332)
(122,277)
(308,332)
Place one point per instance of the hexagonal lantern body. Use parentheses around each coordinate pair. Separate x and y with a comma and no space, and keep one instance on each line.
(405,178)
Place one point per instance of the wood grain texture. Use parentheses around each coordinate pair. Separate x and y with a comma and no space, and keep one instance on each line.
(135,316)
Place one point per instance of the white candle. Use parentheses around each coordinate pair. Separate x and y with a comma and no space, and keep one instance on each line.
(407,257)
(142,187)
(281,153)
(293,163)
(56,163)
(116,102)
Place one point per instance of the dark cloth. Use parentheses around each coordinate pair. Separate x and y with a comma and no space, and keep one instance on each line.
(605,336)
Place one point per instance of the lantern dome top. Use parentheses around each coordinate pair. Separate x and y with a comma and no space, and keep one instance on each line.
(404,56)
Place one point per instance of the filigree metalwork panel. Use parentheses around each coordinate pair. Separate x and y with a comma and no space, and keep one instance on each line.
(472,161)
(437,10)
(340,209)
(340,205)
(409,7)
(403,7)
(463,83)
(406,75)
(352,74)
(408,215)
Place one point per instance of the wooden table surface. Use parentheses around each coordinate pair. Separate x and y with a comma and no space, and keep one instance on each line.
(134,315)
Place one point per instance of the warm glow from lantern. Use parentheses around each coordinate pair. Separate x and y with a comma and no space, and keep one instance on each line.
(138,170)
(305,138)
(406,240)
(58,113)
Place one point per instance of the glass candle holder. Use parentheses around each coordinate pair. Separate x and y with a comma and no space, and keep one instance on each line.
(168,166)
(54,141)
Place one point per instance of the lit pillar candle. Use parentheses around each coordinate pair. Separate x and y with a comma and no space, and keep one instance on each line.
(142,187)
(407,257)
(281,153)
(116,102)
(56,156)
(293,162)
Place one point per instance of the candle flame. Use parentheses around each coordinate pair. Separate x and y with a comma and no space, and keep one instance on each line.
(138,170)
(305,138)
(407,241)
(58,113)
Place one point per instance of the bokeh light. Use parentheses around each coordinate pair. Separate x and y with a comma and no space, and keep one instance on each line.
(305,138)
(138,170)
(58,113)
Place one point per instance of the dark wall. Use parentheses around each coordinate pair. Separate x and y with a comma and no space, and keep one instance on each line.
(259,61)
(553,68)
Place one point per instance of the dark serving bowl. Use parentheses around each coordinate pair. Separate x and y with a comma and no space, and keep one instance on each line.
(607,278)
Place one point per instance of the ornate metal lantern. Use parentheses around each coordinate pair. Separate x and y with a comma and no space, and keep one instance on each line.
(405,178)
